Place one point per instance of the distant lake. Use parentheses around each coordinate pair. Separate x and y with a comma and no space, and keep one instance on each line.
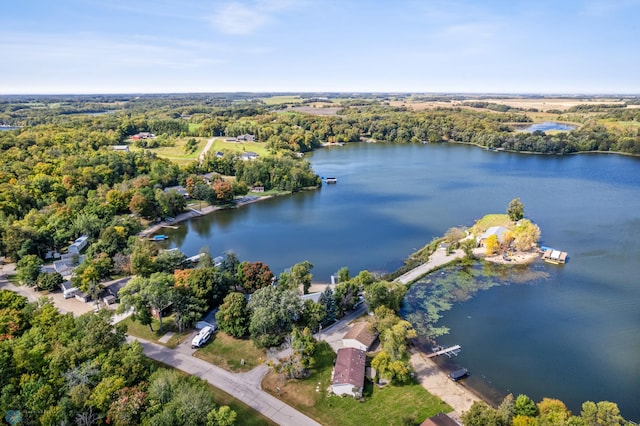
(572,335)
(546,126)
(8,128)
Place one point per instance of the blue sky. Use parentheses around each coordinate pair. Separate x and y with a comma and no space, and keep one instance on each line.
(490,46)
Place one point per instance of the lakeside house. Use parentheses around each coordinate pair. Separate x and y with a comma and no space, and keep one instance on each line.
(179,189)
(348,372)
(498,231)
(359,337)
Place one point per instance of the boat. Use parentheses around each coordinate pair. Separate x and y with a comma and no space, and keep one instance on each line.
(160,237)
(331,180)
(554,256)
(459,374)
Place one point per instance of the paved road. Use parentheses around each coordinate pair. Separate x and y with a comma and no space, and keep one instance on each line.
(245,387)
(437,259)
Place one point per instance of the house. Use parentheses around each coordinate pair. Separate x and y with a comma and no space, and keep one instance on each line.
(179,189)
(210,177)
(439,420)
(498,231)
(143,135)
(78,245)
(219,154)
(249,155)
(360,337)
(124,148)
(315,297)
(348,373)
(246,138)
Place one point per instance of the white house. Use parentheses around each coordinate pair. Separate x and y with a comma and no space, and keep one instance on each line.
(498,231)
(359,337)
(78,245)
(348,373)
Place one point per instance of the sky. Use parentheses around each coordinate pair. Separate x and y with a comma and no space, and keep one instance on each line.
(418,46)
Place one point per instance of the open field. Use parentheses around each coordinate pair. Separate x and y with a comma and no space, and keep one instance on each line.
(391,405)
(220,144)
(276,100)
(317,109)
(176,152)
(541,104)
(235,355)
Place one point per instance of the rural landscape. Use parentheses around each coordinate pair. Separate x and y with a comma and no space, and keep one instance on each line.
(103,169)
(292,212)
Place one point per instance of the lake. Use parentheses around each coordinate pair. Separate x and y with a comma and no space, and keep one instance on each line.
(547,126)
(573,335)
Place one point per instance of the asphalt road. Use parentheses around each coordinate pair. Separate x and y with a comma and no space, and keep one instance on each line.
(245,387)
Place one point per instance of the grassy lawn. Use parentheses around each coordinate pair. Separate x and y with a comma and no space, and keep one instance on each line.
(491,220)
(391,405)
(134,328)
(228,352)
(246,415)
(260,148)
(193,127)
(176,152)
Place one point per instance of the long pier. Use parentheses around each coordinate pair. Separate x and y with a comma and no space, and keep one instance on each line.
(451,351)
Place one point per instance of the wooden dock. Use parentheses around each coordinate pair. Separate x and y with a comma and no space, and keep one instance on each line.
(451,351)
(169,226)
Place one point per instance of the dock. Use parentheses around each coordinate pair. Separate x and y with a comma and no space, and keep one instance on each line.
(451,351)
(196,211)
(170,226)
(556,257)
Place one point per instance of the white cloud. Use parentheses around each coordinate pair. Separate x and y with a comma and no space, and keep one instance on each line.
(244,18)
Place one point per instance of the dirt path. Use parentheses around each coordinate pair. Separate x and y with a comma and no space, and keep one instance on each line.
(206,149)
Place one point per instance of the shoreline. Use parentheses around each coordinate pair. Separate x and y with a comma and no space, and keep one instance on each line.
(185,216)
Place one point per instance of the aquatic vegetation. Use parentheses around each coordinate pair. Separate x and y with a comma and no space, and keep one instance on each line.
(437,292)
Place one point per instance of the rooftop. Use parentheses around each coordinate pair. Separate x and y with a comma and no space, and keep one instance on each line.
(361,331)
(349,368)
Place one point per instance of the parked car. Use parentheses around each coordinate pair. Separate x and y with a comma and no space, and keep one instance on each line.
(459,374)
(202,337)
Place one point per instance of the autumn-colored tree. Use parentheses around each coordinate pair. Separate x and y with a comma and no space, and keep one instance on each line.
(491,245)
(224,190)
(254,275)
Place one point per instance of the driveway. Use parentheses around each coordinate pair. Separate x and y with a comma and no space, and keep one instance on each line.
(244,387)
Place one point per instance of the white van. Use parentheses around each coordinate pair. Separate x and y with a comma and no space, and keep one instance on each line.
(202,337)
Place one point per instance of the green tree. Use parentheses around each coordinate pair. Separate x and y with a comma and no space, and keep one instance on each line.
(169,260)
(301,275)
(480,414)
(49,281)
(186,307)
(328,303)
(601,414)
(142,294)
(515,211)
(29,268)
(223,416)
(274,312)
(142,257)
(233,316)
(524,406)
(346,295)
(385,293)
(127,407)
